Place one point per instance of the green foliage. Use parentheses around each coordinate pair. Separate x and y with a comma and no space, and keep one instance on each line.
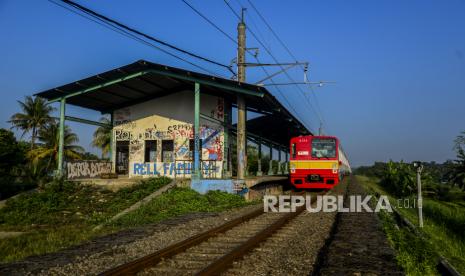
(180,201)
(64,213)
(45,241)
(414,255)
(399,179)
(48,150)
(89,156)
(102,136)
(12,164)
(451,216)
(64,202)
(456,174)
(35,115)
(443,230)
(376,170)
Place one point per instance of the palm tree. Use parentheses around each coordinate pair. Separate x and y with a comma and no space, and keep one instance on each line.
(35,115)
(48,150)
(102,136)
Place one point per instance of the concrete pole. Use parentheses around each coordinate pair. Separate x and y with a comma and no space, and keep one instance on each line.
(241,108)
(61,136)
(279,161)
(197,149)
(112,141)
(420,199)
(259,159)
(270,169)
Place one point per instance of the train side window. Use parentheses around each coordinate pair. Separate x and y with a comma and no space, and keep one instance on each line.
(293,150)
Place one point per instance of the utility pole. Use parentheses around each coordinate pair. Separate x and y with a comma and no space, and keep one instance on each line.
(419,167)
(241,108)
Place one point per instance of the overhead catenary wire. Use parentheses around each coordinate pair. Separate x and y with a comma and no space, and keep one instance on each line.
(258,61)
(131,36)
(147,36)
(318,110)
(234,41)
(276,61)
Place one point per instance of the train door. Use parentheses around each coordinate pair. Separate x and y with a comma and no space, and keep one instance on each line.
(122,157)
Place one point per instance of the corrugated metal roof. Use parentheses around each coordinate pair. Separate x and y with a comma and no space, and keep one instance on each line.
(143,80)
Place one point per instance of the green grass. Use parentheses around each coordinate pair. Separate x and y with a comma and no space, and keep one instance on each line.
(443,229)
(180,201)
(63,215)
(412,254)
(68,203)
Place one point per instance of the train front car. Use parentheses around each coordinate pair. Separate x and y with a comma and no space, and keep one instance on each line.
(314,162)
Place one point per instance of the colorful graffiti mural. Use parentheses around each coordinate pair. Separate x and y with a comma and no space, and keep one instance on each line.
(156,120)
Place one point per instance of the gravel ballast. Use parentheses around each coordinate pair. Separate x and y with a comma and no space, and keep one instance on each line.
(109,251)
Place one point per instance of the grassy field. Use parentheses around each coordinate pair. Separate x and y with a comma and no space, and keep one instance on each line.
(444,224)
(65,215)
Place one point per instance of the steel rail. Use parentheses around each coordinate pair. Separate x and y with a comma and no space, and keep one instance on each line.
(150,260)
(225,262)
(133,267)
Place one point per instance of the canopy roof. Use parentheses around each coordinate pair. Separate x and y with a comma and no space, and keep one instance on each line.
(142,81)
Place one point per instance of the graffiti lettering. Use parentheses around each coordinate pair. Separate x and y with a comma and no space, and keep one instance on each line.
(172,168)
(87,169)
(122,135)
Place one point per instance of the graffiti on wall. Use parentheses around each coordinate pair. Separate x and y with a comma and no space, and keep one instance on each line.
(87,169)
(123,135)
(172,169)
(218,112)
(138,125)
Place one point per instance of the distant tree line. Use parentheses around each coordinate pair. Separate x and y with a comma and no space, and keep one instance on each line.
(444,181)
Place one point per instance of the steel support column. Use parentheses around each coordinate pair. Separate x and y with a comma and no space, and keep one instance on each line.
(228,138)
(197,149)
(279,161)
(286,164)
(259,159)
(241,138)
(270,169)
(61,136)
(112,146)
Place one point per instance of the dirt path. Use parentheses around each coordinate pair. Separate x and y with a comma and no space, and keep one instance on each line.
(358,245)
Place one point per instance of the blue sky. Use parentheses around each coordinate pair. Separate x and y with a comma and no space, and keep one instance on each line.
(399,65)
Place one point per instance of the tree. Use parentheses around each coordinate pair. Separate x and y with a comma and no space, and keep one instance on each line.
(457,172)
(12,154)
(102,136)
(48,150)
(35,115)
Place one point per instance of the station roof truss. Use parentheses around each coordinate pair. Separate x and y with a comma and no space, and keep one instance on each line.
(142,81)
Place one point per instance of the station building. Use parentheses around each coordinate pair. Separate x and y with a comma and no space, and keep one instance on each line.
(160,113)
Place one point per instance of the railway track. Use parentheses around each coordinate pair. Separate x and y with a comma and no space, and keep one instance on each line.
(213,251)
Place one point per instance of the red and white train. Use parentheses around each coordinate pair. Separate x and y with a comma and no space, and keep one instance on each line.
(317,162)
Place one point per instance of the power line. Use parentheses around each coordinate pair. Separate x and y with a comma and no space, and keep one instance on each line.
(256,58)
(276,61)
(129,35)
(318,111)
(209,21)
(132,30)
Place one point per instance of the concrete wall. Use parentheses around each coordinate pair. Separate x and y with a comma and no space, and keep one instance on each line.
(171,118)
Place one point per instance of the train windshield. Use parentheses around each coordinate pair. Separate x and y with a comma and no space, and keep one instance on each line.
(323,148)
